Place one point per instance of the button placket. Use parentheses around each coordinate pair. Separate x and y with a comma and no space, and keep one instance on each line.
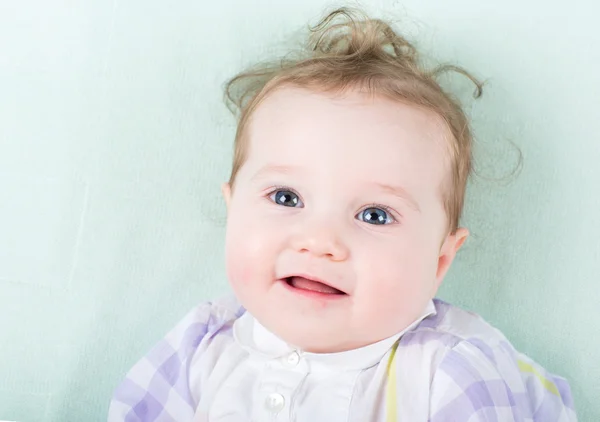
(274,402)
(292,359)
(277,386)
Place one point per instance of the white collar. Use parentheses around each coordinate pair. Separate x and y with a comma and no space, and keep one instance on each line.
(253,337)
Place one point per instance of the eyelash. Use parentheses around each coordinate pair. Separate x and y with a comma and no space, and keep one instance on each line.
(385,208)
(391,212)
(275,189)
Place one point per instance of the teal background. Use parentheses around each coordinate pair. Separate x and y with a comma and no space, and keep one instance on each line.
(114,141)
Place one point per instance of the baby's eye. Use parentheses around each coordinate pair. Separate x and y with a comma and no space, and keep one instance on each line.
(286,198)
(377,216)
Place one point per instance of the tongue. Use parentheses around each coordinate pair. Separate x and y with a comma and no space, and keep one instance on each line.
(314,286)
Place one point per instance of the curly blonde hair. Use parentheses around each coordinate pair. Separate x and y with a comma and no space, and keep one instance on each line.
(348,49)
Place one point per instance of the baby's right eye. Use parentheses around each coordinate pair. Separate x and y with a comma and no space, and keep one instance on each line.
(286,198)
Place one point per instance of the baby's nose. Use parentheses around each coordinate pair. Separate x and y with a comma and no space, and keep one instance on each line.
(323,242)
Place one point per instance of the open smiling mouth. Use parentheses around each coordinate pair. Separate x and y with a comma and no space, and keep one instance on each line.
(312,287)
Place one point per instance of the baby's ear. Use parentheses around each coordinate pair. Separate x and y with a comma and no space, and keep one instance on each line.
(226,191)
(448,252)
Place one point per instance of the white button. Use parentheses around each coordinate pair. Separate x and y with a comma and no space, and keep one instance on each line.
(292,359)
(275,402)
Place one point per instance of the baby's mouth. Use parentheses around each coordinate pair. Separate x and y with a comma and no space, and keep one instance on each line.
(302,283)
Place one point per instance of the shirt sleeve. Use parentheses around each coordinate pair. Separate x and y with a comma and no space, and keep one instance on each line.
(474,384)
(157,388)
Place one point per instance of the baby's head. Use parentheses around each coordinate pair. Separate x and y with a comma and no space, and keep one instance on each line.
(347,187)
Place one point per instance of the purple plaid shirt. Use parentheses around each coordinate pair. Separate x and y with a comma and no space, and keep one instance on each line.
(455,366)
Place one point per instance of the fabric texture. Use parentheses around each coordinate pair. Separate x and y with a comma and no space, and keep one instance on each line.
(220,364)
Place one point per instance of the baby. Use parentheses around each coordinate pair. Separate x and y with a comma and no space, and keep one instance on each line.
(343,210)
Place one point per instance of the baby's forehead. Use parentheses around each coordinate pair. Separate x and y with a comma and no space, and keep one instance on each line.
(291,113)
(350,99)
(348,106)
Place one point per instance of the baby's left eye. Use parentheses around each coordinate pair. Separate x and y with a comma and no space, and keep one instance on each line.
(286,198)
(376,216)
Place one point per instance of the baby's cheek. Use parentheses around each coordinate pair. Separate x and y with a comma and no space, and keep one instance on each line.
(238,269)
(394,283)
(244,267)
(250,252)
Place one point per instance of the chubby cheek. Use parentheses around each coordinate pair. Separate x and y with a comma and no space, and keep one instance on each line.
(398,278)
(249,252)
(238,273)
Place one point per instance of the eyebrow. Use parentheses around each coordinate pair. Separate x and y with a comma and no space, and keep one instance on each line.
(399,192)
(273,169)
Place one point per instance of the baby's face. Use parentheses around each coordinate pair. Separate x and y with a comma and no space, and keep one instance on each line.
(336,232)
